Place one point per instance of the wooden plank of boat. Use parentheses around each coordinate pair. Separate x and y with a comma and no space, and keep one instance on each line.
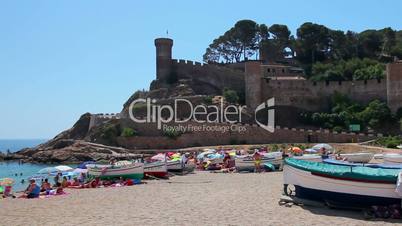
(392,158)
(309,157)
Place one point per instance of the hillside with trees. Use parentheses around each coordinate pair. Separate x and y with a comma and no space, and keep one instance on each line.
(324,53)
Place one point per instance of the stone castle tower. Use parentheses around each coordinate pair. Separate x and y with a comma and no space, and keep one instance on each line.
(163,58)
(394,85)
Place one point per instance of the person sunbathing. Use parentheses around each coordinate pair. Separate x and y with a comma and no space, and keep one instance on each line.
(59,189)
(93,183)
(75,183)
(65,183)
(46,186)
(32,191)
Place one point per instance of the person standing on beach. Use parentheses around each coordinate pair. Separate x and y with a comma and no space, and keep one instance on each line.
(257,161)
(57,178)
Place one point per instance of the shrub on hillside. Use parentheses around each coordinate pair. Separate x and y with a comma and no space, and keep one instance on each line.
(128,132)
(171,133)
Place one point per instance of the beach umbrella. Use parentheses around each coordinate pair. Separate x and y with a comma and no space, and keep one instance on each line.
(84,164)
(63,168)
(48,170)
(310,150)
(327,147)
(6,182)
(37,177)
(159,157)
(79,171)
(205,153)
(70,174)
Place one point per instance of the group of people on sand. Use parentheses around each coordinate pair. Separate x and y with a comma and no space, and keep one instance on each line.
(258,154)
(34,190)
(97,182)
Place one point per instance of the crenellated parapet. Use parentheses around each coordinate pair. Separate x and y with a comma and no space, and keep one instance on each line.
(99,118)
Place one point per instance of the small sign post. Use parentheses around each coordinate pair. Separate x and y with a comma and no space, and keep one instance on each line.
(354,127)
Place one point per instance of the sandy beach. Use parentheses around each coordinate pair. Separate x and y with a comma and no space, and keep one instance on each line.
(202,198)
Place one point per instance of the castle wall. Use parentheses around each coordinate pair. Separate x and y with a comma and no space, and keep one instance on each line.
(208,79)
(314,96)
(149,138)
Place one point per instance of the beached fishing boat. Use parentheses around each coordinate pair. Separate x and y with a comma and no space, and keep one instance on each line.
(156,169)
(175,165)
(247,162)
(179,166)
(309,157)
(339,185)
(358,157)
(393,158)
(133,171)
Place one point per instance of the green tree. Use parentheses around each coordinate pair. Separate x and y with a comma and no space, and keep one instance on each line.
(312,42)
(375,113)
(230,95)
(370,42)
(246,32)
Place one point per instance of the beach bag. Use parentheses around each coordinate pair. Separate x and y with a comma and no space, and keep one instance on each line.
(7,190)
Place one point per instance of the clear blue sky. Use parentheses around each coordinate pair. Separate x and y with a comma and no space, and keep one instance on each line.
(60,59)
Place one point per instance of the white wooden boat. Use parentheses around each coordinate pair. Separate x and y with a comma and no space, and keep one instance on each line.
(247,162)
(361,157)
(133,171)
(309,157)
(341,185)
(175,165)
(392,158)
(156,169)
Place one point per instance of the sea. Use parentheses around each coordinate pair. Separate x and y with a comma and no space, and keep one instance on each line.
(13,169)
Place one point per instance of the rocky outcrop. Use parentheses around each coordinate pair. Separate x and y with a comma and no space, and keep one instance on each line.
(73,151)
(71,146)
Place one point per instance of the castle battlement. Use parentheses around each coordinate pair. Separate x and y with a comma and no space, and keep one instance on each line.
(187,62)
(283,83)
